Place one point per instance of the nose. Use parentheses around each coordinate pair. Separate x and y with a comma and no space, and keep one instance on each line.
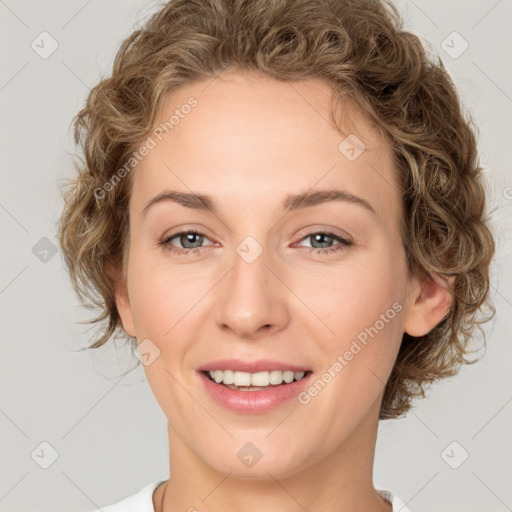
(251,300)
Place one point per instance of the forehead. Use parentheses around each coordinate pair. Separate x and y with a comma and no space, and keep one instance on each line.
(253,139)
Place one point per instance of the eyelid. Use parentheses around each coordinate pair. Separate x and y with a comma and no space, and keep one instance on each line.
(166,238)
(342,244)
(189,228)
(331,230)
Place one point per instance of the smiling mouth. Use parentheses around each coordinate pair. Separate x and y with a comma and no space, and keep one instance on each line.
(259,381)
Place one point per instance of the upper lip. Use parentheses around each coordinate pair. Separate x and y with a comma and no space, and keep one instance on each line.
(259,365)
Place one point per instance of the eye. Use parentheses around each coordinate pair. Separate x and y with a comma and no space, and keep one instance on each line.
(190,240)
(325,237)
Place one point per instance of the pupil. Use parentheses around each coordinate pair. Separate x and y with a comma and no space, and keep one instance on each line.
(188,237)
(320,235)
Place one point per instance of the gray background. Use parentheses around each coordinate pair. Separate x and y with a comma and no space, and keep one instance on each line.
(107,429)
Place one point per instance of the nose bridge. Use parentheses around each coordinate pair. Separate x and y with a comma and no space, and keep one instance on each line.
(249,298)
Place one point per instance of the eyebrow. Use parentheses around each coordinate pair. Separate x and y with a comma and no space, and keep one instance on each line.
(291,202)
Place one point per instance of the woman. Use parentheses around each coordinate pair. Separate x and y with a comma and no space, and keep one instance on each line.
(281,207)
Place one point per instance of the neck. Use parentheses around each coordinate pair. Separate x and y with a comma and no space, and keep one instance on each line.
(341,482)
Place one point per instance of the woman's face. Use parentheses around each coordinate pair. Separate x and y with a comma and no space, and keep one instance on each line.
(279,275)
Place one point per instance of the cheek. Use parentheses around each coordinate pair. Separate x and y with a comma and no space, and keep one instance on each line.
(361,303)
(167,303)
(160,293)
(356,294)
(152,306)
(363,308)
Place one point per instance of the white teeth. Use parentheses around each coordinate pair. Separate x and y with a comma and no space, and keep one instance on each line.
(276,377)
(242,379)
(258,379)
(288,376)
(228,377)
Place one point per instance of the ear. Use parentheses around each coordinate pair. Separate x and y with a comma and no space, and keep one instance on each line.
(122,299)
(428,304)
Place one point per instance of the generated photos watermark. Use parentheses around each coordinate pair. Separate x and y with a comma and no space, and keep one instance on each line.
(137,156)
(356,346)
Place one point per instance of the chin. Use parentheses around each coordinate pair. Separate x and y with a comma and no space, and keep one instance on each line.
(257,460)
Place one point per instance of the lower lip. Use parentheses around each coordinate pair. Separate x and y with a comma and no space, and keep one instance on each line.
(253,402)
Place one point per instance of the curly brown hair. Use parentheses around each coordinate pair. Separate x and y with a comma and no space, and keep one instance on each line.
(360,49)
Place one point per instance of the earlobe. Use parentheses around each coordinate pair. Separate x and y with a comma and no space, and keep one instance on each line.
(429,303)
(123,302)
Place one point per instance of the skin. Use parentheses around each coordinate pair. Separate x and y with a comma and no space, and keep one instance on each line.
(249,143)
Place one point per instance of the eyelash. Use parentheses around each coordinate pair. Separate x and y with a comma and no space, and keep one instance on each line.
(165,243)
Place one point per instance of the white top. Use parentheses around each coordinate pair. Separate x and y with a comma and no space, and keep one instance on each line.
(142,501)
